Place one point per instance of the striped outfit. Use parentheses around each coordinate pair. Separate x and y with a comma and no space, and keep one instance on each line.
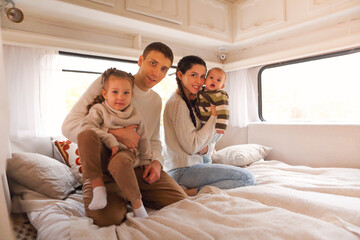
(220,99)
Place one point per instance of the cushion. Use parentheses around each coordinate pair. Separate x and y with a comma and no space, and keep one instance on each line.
(240,155)
(56,153)
(70,153)
(42,174)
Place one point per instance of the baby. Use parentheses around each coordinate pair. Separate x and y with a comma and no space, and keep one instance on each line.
(213,94)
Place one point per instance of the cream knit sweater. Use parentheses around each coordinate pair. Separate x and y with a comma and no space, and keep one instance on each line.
(183,140)
(102,116)
(148,104)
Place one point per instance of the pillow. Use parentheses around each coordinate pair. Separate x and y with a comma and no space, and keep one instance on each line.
(56,153)
(42,174)
(240,155)
(70,153)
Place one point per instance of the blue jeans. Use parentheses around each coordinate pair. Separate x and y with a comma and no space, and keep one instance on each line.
(214,140)
(218,175)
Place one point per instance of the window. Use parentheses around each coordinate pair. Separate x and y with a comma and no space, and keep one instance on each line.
(318,89)
(79,71)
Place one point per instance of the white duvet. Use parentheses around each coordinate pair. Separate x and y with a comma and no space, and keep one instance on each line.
(288,202)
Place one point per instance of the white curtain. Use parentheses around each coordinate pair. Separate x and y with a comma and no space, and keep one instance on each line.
(29,73)
(241,86)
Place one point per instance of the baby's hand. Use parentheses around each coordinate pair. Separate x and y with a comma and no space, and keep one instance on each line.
(114,151)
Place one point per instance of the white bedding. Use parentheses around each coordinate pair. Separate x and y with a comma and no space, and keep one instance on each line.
(288,202)
(51,217)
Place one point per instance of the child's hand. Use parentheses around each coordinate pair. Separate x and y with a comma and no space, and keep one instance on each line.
(213,110)
(114,151)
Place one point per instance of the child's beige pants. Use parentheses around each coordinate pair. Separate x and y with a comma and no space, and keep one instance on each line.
(123,182)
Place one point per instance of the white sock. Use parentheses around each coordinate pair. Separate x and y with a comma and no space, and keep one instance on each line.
(99,198)
(140,212)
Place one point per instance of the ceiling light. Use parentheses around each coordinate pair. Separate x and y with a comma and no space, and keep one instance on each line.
(13,14)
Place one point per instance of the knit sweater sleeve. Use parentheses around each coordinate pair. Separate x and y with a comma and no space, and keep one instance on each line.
(71,125)
(156,145)
(94,121)
(191,139)
(144,146)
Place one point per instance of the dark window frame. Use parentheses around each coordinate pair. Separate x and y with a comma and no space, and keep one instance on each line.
(64,53)
(301,60)
(94,57)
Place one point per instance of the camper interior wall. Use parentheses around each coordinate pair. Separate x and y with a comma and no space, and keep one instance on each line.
(5,225)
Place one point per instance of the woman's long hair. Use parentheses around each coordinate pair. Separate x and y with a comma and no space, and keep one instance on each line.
(104,81)
(183,66)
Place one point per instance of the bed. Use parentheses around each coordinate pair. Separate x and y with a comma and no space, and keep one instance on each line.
(288,202)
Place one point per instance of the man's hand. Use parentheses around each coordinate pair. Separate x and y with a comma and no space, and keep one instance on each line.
(127,136)
(152,172)
(114,151)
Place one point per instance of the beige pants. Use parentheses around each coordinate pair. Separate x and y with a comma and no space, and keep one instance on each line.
(123,182)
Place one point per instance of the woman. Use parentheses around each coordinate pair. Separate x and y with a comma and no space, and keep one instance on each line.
(187,140)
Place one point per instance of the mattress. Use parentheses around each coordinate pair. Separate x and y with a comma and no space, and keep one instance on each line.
(287,202)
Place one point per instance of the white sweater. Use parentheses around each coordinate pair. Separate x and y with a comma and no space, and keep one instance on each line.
(101,116)
(183,140)
(148,104)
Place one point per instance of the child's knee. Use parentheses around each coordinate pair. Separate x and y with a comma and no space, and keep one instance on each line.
(120,161)
(86,134)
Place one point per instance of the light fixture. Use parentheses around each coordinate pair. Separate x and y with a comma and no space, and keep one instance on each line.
(13,14)
(222,54)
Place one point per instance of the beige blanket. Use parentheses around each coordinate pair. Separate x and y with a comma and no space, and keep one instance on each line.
(288,202)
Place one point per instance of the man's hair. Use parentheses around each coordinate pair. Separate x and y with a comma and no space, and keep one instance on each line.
(160,47)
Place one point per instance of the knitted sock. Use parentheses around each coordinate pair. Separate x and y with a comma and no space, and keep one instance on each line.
(99,198)
(140,212)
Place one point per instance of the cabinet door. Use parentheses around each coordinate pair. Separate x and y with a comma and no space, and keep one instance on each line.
(210,16)
(254,17)
(168,10)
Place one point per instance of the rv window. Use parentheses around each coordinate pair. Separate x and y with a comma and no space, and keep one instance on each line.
(324,88)
(79,71)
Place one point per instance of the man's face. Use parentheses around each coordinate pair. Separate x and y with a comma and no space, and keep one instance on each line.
(152,70)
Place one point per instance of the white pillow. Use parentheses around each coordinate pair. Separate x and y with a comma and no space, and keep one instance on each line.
(240,155)
(42,174)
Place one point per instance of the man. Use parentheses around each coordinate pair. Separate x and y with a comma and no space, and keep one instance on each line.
(157,188)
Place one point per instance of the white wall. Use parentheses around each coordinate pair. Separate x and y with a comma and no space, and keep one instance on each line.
(5,227)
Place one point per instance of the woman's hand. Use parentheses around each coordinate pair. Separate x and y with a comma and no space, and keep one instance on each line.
(127,136)
(213,110)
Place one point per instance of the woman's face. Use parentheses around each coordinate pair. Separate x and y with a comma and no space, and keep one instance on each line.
(193,79)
